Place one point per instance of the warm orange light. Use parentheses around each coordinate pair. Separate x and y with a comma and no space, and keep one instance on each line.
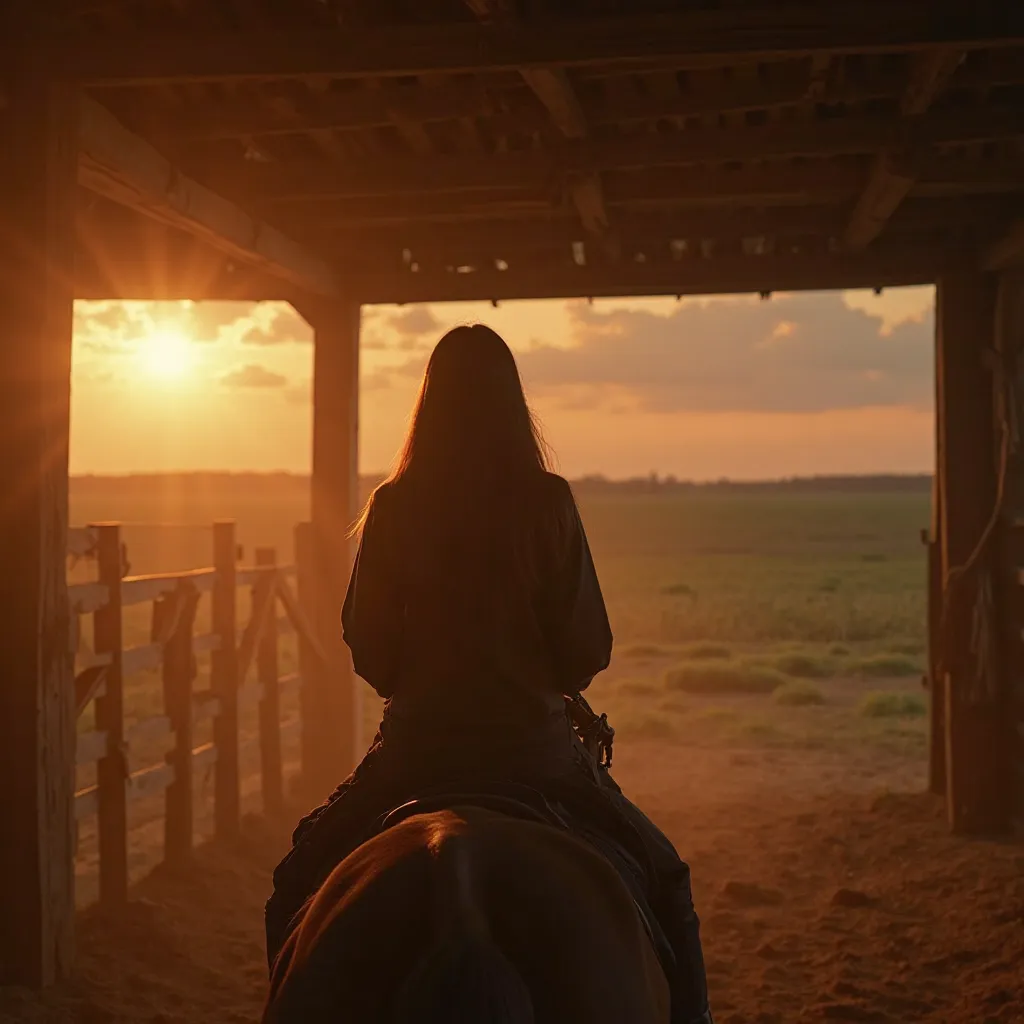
(167,353)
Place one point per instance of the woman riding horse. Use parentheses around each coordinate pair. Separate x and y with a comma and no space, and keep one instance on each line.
(474,609)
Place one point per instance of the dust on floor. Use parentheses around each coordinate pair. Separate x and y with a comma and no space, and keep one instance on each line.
(823,896)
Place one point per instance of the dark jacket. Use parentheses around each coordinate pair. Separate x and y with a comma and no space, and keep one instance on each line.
(485,602)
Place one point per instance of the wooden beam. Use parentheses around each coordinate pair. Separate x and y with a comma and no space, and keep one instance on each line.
(889,183)
(647,234)
(124,255)
(890,267)
(1008,251)
(892,176)
(127,169)
(334,499)
(686,39)
(660,190)
(37,714)
(537,168)
(361,108)
(974,680)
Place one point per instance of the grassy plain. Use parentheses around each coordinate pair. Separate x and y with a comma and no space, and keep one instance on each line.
(718,596)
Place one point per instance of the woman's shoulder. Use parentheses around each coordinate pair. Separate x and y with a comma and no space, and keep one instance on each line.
(557,492)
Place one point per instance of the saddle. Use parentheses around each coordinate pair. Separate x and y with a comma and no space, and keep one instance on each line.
(528,804)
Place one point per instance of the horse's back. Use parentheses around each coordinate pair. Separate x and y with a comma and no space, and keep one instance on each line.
(378,934)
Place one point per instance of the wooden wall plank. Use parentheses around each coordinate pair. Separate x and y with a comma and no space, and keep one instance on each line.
(112,770)
(224,682)
(267,674)
(37,715)
(177,674)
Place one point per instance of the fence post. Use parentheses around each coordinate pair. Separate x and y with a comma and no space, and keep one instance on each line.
(224,682)
(178,673)
(111,770)
(305,585)
(267,675)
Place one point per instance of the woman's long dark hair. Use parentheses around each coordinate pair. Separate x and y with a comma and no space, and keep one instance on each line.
(471,424)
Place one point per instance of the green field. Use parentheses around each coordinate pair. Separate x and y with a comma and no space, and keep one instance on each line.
(777,599)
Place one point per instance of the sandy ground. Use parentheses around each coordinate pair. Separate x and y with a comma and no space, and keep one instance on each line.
(829,889)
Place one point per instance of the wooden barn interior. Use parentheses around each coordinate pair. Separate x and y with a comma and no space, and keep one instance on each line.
(336,153)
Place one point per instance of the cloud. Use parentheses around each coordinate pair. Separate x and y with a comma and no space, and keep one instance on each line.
(412,324)
(252,375)
(805,353)
(268,324)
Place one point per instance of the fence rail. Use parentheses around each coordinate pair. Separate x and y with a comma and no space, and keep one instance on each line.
(236,650)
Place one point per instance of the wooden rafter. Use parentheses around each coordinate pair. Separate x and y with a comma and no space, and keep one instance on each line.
(554,90)
(893,173)
(885,268)
(539,169)
(1007,250)
(365,108)
(125,168)
(648,232)
(688,39)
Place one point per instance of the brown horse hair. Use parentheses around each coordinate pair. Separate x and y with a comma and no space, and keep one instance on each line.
(463,976)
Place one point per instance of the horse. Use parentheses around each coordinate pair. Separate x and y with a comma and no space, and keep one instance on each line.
(469,915)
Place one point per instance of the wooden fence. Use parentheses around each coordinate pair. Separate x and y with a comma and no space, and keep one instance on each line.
(174,644)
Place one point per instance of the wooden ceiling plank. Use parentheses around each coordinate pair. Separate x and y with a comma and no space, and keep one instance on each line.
(120,165)
(891,177)
(861,136)
(686,38)
(363,108)
(888,267)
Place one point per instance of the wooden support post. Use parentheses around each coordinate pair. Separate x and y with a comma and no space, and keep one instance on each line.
(305,585)
(335,482)
(936,690)
(112,770)
(968,447)
(1010,348)
(178,673)
(224,681)
(267,674)
(37,716)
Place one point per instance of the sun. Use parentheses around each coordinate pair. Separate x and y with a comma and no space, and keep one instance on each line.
(167,353)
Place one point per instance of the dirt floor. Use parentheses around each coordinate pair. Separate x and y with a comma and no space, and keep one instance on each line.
(829,889)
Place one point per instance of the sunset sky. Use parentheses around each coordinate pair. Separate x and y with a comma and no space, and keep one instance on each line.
(736,387)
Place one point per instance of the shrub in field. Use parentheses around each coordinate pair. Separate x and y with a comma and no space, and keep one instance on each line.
(717,678)
(798,692)
(644,652)
(804,666)
(839,651)
(638,689)
(646,727)
(888,666)
(913,648)
(707,652)
(882,704)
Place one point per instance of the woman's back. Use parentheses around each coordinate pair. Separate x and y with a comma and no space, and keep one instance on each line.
(475,600)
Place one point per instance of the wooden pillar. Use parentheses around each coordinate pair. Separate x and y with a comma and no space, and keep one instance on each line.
(936,676)
(968,457)
(37,715)
(334,499)
(1010,346)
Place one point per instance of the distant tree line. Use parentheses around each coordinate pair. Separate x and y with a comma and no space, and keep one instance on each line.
(255,484)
